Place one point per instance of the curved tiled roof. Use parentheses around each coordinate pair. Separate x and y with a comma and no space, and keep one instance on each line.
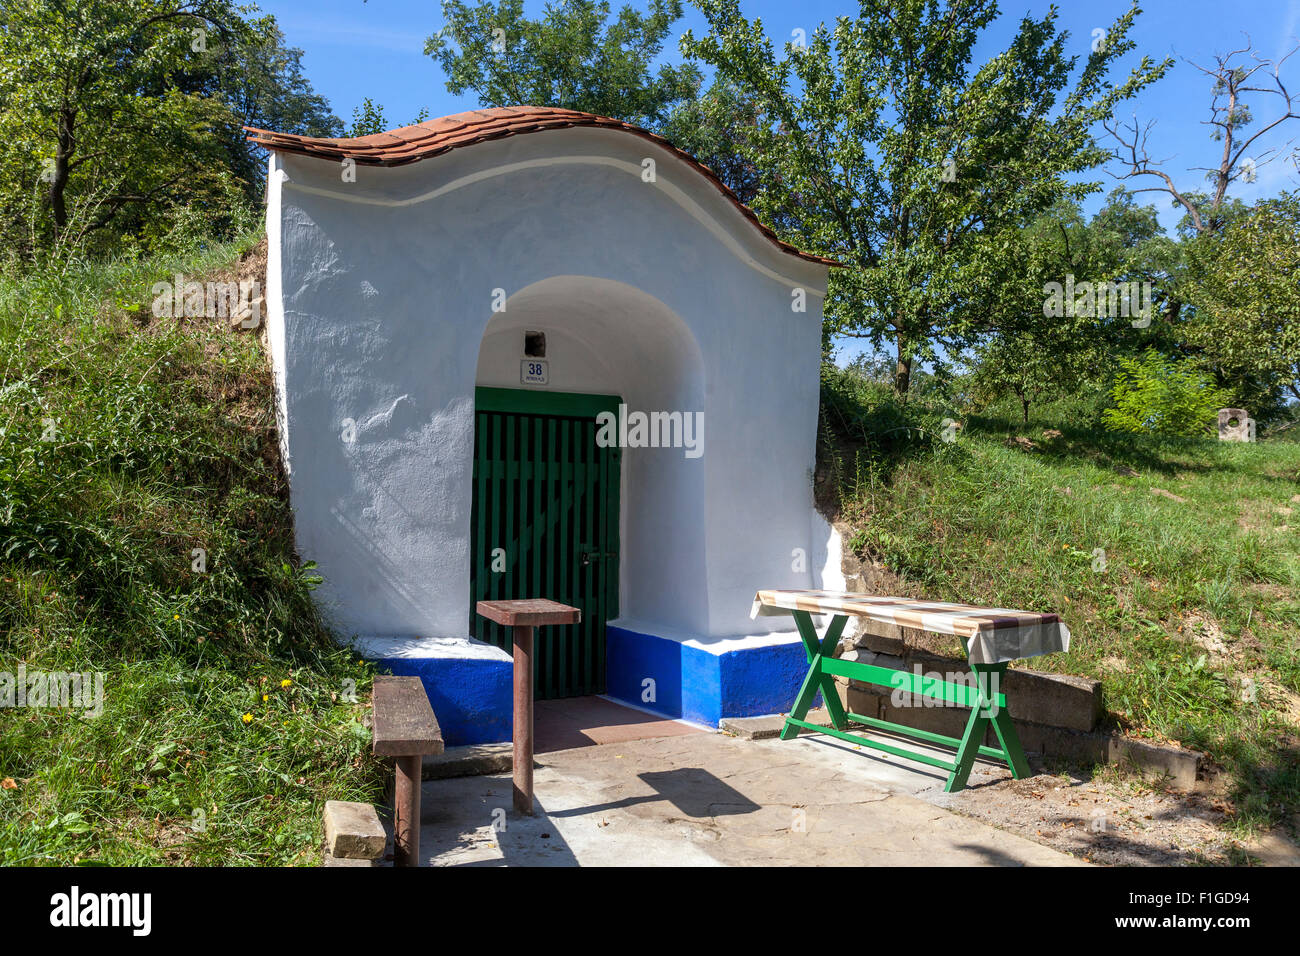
(410,144)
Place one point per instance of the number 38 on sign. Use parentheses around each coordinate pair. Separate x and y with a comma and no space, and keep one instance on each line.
(532,372)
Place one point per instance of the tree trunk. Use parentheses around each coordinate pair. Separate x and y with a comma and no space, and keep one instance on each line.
(59,180)
(903,370)
(1024,402)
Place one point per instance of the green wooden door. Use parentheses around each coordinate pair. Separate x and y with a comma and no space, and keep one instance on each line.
(545,525)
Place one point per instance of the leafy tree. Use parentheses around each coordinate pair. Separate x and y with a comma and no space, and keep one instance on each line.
(1050,352)
(261,81)
(1155,393)
(573,57)
(86,77)
(1244,285)
(368,119)
(909,166)
(113,112)
(712,128)
(1031,368)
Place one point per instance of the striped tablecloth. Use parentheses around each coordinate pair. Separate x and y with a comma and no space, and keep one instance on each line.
(992,634)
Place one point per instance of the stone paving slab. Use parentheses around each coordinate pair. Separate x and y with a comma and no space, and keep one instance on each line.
(581,721)
(711,800)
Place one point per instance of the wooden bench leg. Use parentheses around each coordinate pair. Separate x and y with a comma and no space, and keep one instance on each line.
(967,750)
(988,712)
(406,812)
(1010,740)
(816,679)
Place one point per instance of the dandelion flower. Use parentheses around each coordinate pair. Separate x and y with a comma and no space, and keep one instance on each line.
(247,718)
(286,682)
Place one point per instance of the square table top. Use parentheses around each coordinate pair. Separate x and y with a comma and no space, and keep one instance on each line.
(992,635)
(531,612)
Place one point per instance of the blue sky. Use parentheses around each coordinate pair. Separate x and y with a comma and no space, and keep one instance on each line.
(355,49)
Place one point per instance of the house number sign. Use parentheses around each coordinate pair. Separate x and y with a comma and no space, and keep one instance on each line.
(533,372)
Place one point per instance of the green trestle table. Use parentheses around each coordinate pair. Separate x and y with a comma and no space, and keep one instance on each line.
(993,637)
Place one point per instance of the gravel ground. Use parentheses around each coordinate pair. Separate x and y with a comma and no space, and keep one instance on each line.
(1116,822)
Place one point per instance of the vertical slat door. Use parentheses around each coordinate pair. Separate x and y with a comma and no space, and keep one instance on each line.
(545,495)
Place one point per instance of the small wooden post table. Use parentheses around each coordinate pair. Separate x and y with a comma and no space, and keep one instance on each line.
(521,617)
(993,637)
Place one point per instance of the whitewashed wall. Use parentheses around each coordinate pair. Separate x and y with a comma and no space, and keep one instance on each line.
(380,311)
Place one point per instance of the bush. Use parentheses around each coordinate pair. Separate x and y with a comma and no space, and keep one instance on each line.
(1157,394)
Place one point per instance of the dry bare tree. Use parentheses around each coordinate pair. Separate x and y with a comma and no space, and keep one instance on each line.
(1233,81)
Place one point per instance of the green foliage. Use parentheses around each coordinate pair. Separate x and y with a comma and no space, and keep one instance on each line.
(1155,393)
(115,114)
(369,118)
(1027,367)
(911,167)
(997,522)
(1244,285)
(573,57)
(125,444)
(865,430)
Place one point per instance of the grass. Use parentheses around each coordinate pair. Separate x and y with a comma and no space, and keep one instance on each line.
(230,714)
(1191,621)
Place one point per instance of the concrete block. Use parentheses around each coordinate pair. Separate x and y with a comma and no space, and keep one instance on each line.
(1235,425)
(1073,745)
(863,655)
(470,761)
(769,726)
(1083,746)
(859,700)
(1055,700)
(950,721)
(880,637)
(353,831)
(1156,760)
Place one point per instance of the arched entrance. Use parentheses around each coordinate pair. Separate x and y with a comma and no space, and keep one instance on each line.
(560,514)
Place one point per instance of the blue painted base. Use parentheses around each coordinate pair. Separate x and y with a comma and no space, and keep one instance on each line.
(471,697)
(703,684)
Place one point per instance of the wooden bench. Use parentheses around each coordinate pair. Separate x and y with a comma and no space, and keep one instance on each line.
(405,728)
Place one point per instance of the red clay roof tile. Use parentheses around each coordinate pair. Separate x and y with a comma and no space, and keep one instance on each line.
(409,144)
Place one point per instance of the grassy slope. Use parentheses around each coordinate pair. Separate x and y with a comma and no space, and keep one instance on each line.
(1197,597)
(164,442)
